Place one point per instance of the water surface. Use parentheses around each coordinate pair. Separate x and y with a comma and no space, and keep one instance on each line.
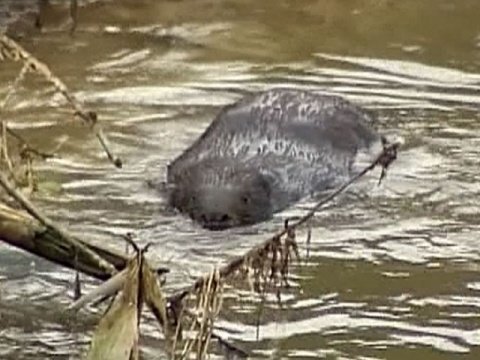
(393,270)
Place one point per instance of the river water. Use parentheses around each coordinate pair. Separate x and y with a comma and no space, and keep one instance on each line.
(393,269)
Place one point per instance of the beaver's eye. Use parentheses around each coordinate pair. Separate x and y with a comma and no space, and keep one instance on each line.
(246,200)
(193,198)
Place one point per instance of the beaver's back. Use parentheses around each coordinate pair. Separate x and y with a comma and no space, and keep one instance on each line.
(283,127)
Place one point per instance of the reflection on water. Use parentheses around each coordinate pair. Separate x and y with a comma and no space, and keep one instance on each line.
(392,270)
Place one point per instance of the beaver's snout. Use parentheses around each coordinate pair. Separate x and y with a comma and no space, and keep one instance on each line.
(215,207)
(219,195)
(216,221)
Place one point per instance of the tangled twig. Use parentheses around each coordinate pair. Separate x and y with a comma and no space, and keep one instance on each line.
(11,50)
(207,306)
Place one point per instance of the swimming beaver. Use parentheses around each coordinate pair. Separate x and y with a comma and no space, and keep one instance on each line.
(267,151)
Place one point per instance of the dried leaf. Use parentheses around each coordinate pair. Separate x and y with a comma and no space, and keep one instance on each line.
(116,337)
(154,297)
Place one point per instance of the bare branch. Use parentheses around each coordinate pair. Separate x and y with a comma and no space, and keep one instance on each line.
(32,210)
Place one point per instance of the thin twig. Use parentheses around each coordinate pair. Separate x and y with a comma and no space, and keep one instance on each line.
(14,86)
(26,146)
(73,15)
(9,48)
(4,148)
(106,289)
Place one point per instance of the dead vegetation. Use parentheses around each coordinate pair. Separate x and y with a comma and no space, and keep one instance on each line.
(186,318)
(10,50)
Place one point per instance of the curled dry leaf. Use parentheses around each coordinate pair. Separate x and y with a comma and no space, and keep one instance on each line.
(116,337)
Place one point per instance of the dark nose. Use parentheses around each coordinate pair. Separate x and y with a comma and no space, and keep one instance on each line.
(215,220)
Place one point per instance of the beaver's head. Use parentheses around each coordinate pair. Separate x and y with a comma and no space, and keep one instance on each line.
(219,195)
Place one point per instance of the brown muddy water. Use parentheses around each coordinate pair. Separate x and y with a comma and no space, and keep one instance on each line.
(393,270)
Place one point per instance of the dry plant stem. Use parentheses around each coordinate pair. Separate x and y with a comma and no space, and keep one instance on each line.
(207,307)
(5,129)
(188,343)
(77,291)
(202,304)
(4,149)
(9,48)
(108,288)
(116,336)
(30,208)
(14,85)
(30,175)
(211,308)
(26,148)
(309,239)
(73,15)
(384,159)
(213,334)
(177,333)
(23,143)
(206,297)
(154,298)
